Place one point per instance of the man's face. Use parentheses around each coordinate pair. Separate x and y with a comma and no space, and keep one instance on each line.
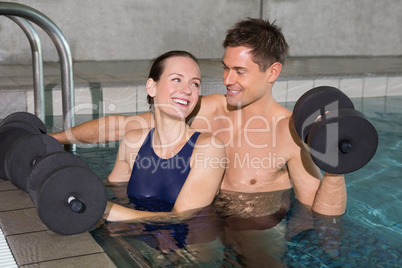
(242,77)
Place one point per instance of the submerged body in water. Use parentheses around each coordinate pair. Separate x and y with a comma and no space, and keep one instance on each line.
(243,229)
(254,226)
(238,228)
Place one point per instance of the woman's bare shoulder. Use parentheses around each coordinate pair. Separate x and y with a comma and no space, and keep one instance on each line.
(135,138)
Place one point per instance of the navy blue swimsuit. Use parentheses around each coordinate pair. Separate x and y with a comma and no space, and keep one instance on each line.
(155,182)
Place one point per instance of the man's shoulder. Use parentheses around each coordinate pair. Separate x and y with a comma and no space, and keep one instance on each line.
(213,101)
(282,110)
(276,113)
(208,107)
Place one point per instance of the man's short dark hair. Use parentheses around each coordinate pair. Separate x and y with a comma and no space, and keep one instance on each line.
(265,39)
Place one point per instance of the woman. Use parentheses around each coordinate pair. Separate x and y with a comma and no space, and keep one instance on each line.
(170,168)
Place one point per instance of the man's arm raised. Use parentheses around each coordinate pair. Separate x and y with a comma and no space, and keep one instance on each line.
(105,129)
(331,196)
(326,194)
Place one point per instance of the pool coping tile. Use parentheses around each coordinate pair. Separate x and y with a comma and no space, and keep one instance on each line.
(34,245)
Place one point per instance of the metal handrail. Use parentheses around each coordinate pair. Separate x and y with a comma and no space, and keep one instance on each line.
(63,49)
(37,64)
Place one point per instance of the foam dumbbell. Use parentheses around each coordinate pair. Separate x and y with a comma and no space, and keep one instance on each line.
(13,127)
(23,155)
(26,118)
(22,142)
(68,196)
(341,139)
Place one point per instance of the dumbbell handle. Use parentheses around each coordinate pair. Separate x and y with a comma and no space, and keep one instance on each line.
(75,204)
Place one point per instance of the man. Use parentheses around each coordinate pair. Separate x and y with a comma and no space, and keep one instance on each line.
(264,153)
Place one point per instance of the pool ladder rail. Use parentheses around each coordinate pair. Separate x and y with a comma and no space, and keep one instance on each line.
(22,15)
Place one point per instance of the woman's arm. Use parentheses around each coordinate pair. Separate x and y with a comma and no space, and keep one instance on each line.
(121,171)
(202,184)
(105,129)
(208,163)
(126,155)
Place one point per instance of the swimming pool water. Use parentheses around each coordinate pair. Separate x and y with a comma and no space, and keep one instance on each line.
(368,235)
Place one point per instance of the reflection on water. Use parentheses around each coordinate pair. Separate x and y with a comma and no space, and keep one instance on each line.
(192,242)
(216,236)
(172,243)
(253,237)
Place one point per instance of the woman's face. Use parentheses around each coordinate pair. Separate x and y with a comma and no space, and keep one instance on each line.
(176,93)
